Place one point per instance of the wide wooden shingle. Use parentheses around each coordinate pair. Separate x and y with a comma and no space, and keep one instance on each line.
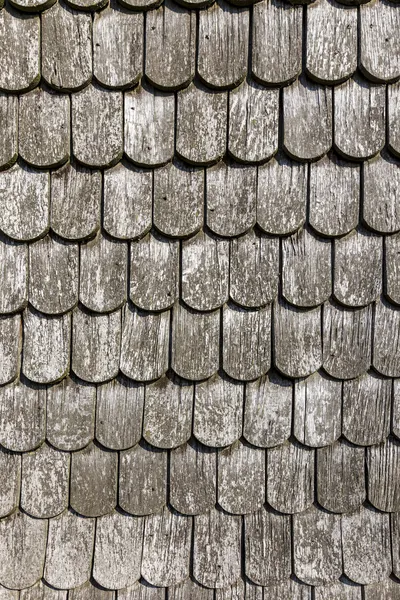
(386,357)
(22,416)
(383,472)
(381,189)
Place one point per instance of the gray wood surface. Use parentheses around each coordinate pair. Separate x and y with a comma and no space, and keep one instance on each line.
(32,6)
(40,591)
(395,532)
(190,589)
(386,357)
(9,130)
(288,589)
(381,188)
(383,463)
(338,591)
(393,118)
(22,416)
(142,591)
(10,347)
(10,466)
(385,589)
(392,268)
(13,276)
(88,591)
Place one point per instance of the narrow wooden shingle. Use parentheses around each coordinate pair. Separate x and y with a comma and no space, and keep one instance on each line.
(386,356)
(346,340)
(381,188)
(118,550)
(166,548)
(393,118)
(144,346)
(281,196)
(246,342)
(46,350)
(10,466)
(10,347)
(9,130)
(395,532)
(205,271)
(45,481)
(392,268)
(117,47)
(178,199)
(97,126)
(383,462)
(218,411)
(67,62)
(359,119)
(201,125)
(331,41)
(23,547)
(20,51)
(277,41)
(70,414)
(217,549)
(93,488)
(267,538)
(307,115)
(53,275)
(231,193)
(167,420)
(75,202)
(170,46)
(317,410)
(13,276)
(22,416)
(149,126)
(24,202)
(69,550)
(127,201)
(223,45)
(334,196)
(290,477)
(119,414)
(297,342)
(253,122)
(143,480)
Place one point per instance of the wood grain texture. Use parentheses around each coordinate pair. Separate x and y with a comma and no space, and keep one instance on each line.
(178,199)
(66,64)
(290,477)
(88,591)
(338,591)
(380,46)
(22,416)
(154,272)
(223,45)
(267,538)
(117,47)
(70,414)
(96,346)
(91,5)
(10,466)
(149,126)
(10,347)
(13,276)
(118,550)
(317,410)
(395,532)
(46,349)
(166,548)
(281,196)
(41,591)
(306,269)
(334,196)
(45,481)
(366,545)
(190,589)
(142,591)
(103,274)
(143,480)
(144,346)
(170,46)
(383,463)
(231,194)
(396,408)
(69,550)
(288,589)
(32,6)
(218,411)
(241,478)
(268,411)
(140,4)
(97,127)
(246,342)
(195,343)
(392,268)
(23,546)
(217,548)
(53,275)
(24,202)
(205,271)
(167,420)
(346,340)
(75,202)
(297,342)
(331,41)
(20,51)
(253,122)
(307,114)
(196,492)
(393,118)
(127,201)
(7,594)
(9,130)
(359,113)
(366,409)
(254,269)
(381,188)
(277,42)
(93,487)
(201,125)
(119,413)
(384,590)
(386,357)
